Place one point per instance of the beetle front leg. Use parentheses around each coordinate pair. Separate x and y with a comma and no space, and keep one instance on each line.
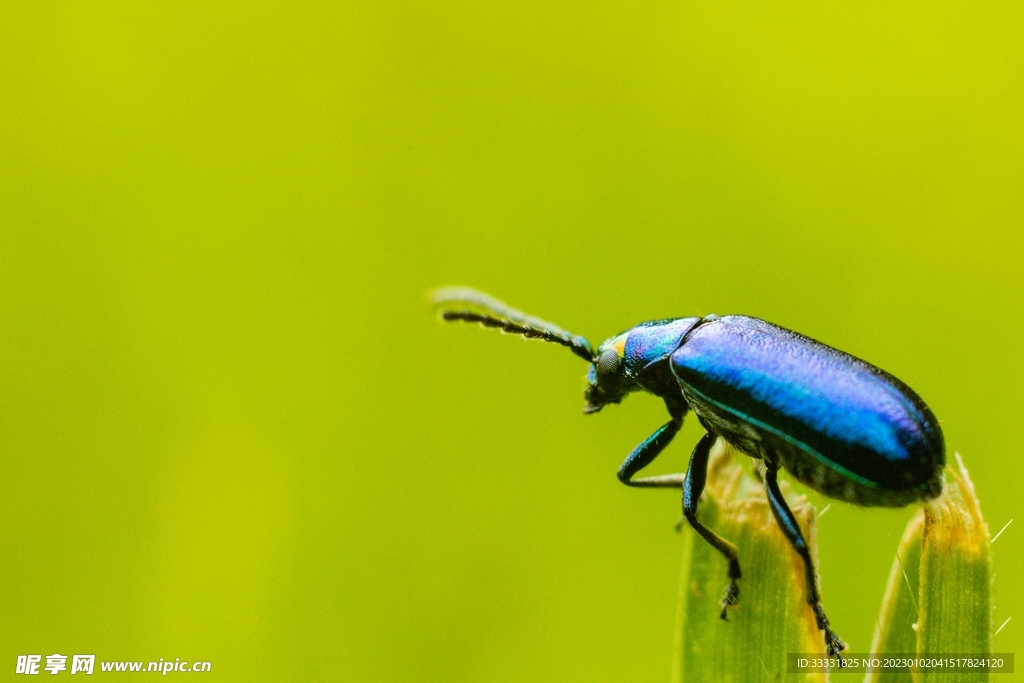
(645,453)
(784,516)
(693,486)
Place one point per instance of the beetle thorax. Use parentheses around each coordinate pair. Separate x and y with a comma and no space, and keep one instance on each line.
(647,351)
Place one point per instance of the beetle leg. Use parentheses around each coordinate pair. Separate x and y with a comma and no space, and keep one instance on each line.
(646,452)
(787,521)
(693,486)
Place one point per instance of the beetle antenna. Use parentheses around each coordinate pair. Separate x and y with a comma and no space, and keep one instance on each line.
(458,303)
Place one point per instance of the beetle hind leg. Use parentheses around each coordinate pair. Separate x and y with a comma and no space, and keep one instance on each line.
(784,516)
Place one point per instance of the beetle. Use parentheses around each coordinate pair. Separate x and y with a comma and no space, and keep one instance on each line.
(838,424)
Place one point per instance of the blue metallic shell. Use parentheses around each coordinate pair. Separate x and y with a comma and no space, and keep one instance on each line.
(647,350)
(839,424)
(654,341)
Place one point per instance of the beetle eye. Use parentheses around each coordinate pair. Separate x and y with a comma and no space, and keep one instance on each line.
(608,362)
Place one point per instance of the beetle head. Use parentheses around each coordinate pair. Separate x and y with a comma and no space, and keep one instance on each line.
(607,380)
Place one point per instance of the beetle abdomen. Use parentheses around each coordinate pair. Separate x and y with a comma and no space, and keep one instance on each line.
(831,418)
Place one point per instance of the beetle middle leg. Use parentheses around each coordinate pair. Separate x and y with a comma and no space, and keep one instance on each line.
(693,486)
(784,516)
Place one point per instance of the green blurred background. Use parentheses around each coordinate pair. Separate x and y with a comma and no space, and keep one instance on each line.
(230,427)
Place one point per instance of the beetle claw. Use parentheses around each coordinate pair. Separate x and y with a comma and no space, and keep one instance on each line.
(832,642)
(730,599)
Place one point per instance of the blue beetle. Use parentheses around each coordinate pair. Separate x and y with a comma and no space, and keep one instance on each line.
(837,423)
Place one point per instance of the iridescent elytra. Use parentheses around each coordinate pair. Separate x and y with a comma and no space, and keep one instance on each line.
(837,423)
